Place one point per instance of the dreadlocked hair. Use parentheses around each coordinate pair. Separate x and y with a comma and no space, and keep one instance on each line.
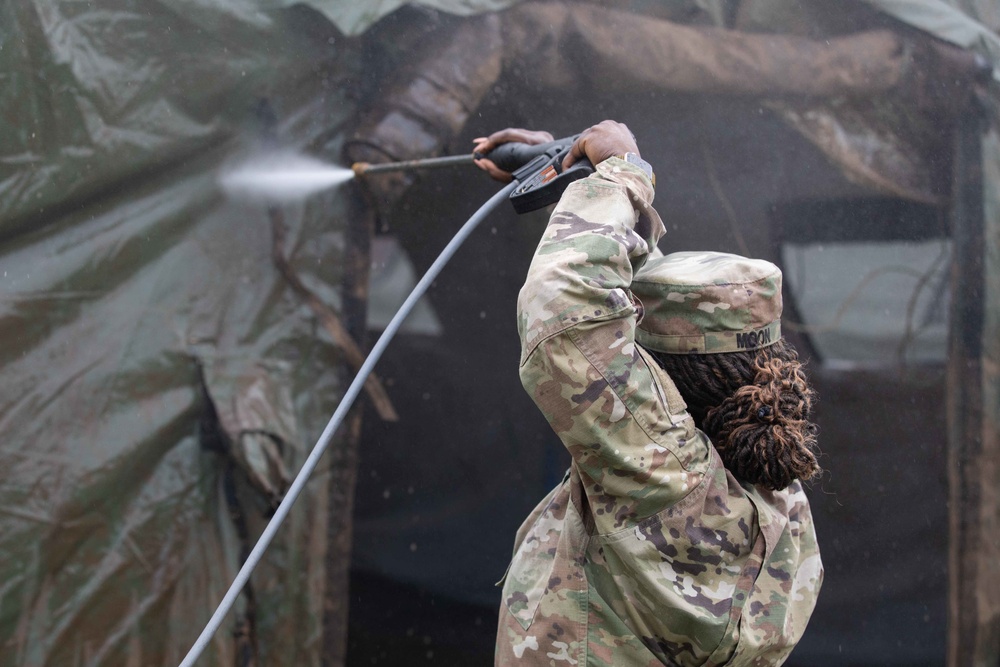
(755,406)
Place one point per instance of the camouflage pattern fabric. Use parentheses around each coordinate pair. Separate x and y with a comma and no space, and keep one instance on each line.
(708,302)
(649,552)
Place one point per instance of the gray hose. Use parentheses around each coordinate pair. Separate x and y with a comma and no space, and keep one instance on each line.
(338,416)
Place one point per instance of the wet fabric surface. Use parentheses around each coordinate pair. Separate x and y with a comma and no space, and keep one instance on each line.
(160,380)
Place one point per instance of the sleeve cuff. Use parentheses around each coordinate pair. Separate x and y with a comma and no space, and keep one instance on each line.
(629,175)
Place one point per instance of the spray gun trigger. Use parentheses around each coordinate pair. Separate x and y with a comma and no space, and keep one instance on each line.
(542,181)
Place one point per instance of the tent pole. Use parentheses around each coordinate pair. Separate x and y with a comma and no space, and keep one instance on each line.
(344,458)
(973,448)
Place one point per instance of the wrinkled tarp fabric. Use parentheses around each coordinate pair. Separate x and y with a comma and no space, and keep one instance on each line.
(148,344)
(888,143)
(879,144)
(970,24)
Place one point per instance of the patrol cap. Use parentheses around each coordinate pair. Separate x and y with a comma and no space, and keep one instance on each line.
(708,302)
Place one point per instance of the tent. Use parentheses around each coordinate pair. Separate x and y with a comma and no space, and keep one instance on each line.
(165,377)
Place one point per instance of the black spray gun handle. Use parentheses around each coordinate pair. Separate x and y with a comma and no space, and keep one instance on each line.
(538,171)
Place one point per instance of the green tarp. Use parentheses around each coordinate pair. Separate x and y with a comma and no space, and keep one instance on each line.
(158,374)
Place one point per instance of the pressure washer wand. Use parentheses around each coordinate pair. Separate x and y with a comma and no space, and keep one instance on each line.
(536,168)
(365,169)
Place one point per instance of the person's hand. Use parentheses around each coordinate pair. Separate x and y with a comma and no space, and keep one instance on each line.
(606,139)
(486,144)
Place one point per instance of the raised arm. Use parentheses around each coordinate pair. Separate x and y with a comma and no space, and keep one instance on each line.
(618,414)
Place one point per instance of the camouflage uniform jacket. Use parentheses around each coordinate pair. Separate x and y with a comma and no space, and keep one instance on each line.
(649,552)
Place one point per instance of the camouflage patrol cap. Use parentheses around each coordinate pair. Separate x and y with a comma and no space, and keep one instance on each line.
(708,302)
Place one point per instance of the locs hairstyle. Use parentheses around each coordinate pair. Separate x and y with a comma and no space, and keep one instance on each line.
(756,408)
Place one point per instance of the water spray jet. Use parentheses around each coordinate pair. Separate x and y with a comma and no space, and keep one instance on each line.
(283,176)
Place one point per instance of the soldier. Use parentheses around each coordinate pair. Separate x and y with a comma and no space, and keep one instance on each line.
(676,537)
